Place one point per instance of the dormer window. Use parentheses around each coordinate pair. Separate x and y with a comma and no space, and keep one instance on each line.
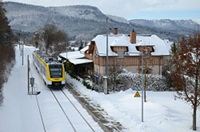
(117,48)
(148,48)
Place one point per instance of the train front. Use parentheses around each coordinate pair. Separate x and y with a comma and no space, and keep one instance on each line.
(56,76)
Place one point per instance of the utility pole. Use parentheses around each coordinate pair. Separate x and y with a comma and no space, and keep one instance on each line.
(142,100)
(145,57)
(107,47)
(106,71)
(22,52)
(142,54)
(28,73)
(145,78)
(66,59)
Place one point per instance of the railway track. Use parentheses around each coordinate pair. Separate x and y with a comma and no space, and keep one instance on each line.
(59,111)
(74,120)
(71,112)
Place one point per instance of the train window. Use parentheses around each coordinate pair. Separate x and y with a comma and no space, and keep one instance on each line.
(55,71)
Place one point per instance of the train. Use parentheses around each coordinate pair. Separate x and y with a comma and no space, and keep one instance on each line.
(50,69)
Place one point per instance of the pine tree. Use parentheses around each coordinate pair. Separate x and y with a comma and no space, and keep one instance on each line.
(186,72)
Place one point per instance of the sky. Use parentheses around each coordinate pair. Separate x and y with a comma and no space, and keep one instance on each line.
(133,9)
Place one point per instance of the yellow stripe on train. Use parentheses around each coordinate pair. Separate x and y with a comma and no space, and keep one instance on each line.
(51,71)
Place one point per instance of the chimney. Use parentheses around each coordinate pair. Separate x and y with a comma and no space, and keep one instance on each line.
(133,37)
(115,31)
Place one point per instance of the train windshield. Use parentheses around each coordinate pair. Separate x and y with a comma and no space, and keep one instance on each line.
(55,71)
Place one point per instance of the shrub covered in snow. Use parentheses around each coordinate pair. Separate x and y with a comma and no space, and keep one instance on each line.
(128,80)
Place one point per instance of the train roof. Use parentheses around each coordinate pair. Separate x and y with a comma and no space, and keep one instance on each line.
(47,59)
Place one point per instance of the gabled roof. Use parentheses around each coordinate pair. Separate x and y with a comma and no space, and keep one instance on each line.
(161,47)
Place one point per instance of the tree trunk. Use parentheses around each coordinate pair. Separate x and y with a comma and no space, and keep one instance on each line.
(195,99)
(194,127)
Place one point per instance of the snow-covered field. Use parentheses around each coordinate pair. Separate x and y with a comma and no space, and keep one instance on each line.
(162,112)
(19,112)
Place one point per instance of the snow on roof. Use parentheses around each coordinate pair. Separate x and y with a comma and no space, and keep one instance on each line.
(160,46)
(82,51)
(80,61)
(72,55)
(120,41)
(75,57)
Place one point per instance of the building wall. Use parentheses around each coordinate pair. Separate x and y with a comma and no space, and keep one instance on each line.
(131,60)
(155,69)
(100,70)
(132,64)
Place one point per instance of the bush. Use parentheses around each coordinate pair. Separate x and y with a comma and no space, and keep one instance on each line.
(86,84)
(134,81)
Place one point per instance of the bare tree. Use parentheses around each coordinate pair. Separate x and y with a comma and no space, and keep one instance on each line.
(51,39)
(186,72)
(114,70)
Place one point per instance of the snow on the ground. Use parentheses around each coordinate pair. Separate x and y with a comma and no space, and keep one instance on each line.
(162,112)
(19,112)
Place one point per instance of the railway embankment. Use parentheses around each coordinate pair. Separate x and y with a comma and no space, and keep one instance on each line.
(107,123)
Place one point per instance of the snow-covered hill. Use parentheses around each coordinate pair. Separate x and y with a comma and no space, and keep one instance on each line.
(167,24)
(196,20)
(119,19)
(27,18)
(75,20)
(80,11)
(89,21)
